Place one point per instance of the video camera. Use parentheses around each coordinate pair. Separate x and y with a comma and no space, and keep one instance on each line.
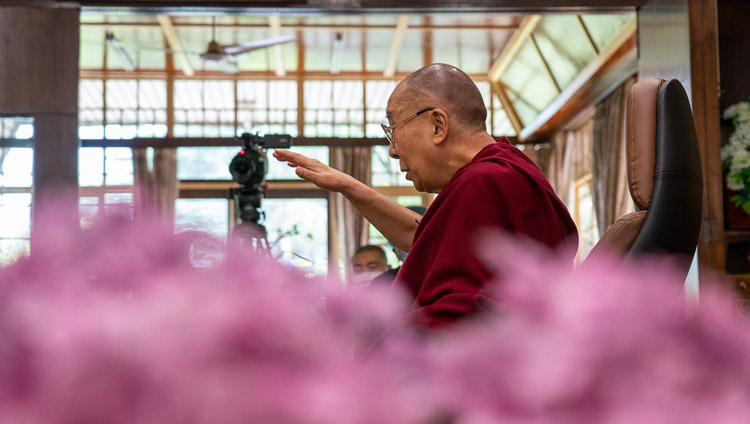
(249,168)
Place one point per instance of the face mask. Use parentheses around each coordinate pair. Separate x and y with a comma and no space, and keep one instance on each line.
(400,253)
(364,279)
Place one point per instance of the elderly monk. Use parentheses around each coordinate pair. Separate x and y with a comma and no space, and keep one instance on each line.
(437,132)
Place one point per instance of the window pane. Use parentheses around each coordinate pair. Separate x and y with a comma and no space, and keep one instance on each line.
(119,166)
(119,204)
(298,232)
(205,163)
(564,45)
(90,166)
(16,166)
(88,207)
(206,215)
(12,249)
(281,171)
(528,84)
(15,215)
(385,169)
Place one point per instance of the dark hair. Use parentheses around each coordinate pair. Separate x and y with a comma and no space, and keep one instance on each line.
(372,248)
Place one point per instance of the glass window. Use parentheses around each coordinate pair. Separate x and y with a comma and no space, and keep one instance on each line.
(15,225)
(377,94)
(584,216)
(207,215)
(118,166)
(112,166)
(119,204)
(281,171)
(563,43)
(267,107)
(17,165)
(605,27)
(385,169)
(205,163)
(298,232)
(90,166)
(212,163)
(334,109)
(529,86)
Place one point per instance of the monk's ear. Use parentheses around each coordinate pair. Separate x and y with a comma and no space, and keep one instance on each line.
(439,122)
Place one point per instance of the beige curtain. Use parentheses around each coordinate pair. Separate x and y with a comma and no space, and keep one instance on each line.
(156,184)
(348,229)
(569,160)
(609,175)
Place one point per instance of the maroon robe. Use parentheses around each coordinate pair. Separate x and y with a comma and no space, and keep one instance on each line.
(500,188)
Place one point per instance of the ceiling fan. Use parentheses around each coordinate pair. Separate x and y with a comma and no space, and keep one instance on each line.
(224,56)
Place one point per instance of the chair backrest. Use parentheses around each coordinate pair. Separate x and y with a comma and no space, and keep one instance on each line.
(664,176)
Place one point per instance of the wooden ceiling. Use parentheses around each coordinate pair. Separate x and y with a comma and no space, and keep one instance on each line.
(511,6)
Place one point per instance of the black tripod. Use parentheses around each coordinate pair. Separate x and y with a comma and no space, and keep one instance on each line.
(249,232)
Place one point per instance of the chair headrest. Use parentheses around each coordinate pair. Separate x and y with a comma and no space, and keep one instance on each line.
(641,139)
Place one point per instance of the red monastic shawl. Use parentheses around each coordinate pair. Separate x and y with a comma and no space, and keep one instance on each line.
(499,189)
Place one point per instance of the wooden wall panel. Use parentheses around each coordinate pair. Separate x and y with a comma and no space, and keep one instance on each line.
(39,77)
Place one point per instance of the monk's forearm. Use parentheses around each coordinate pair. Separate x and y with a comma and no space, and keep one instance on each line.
(397,223)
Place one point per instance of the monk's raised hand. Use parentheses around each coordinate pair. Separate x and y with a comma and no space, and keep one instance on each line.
(314,170)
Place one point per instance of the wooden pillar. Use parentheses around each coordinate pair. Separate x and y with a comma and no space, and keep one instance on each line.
(705,96)
(39,77)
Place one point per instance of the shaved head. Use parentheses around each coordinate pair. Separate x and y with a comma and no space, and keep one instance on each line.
(447,87)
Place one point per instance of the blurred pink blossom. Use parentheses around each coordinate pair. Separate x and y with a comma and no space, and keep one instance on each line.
(114,325)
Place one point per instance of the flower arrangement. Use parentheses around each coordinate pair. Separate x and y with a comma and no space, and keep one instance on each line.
(114,325)
(735,155)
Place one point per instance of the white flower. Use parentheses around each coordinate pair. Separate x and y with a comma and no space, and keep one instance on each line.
(740,110)
(735,155)
(734,182)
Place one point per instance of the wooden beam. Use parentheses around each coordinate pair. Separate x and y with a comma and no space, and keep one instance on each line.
(510,110)
(545,63)
(174,43)
(274,21)
(528,24)
(250,75)
(217,142)
(398,40)
(362,6)
(306,26)
(588,35)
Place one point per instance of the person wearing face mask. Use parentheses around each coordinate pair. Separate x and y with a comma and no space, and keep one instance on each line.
(437,131)
(368,263)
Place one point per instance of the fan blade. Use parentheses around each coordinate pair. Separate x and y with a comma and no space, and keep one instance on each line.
(228,67)
(258,44)
(155,48)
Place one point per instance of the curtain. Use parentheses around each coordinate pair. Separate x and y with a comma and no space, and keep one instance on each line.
(348,229)
(609,173)
(156,184)
(555,162)
(569,160)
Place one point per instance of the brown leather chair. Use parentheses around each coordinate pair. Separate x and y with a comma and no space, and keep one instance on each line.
(664,177)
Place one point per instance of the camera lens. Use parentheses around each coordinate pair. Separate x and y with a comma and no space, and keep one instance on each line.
(242,168)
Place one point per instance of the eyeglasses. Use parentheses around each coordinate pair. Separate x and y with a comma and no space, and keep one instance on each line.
(389,129)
